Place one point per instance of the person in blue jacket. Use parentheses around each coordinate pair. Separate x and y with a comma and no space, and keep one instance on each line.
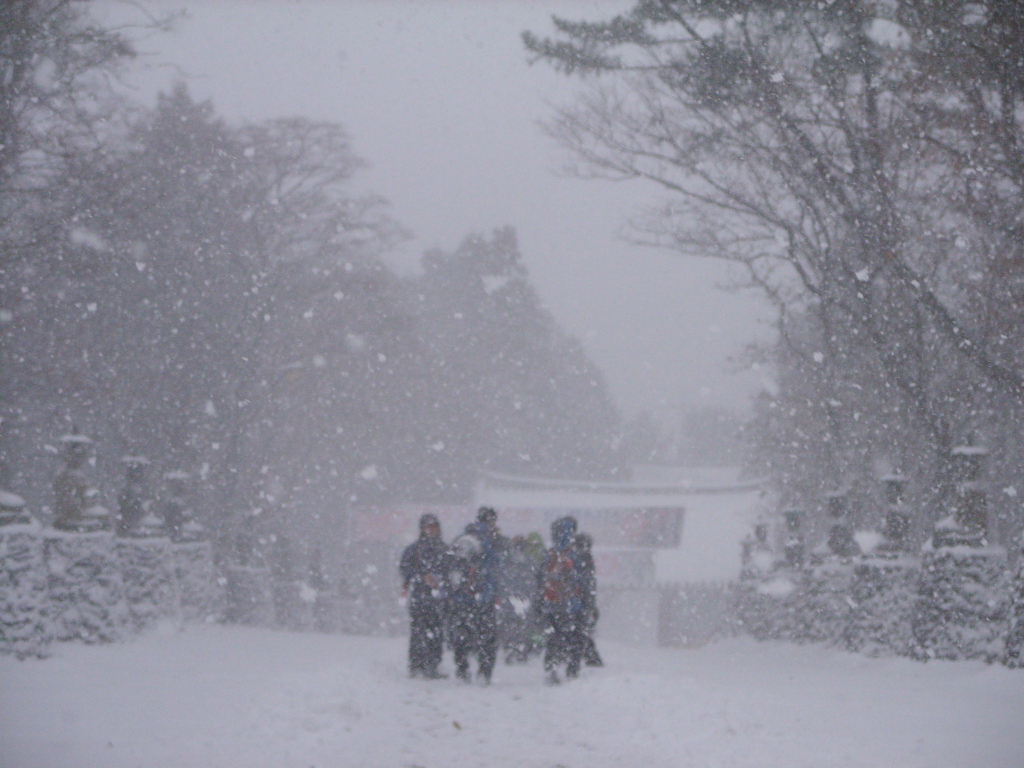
(487,589)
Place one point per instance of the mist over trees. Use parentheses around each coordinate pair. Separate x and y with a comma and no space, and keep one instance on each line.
(861,162)
(217,298)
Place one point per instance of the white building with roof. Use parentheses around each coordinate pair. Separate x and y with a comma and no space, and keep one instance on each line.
(668,526)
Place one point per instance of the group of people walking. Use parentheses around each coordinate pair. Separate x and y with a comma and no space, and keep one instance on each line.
(483,590)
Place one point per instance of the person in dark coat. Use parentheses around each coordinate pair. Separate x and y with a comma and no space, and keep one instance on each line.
(487,590)
(560,601)
(423,567)
(582,543)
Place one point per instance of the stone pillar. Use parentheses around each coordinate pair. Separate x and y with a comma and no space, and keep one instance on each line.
(24,600)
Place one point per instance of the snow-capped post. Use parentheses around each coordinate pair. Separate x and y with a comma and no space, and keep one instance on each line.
(201,592)
(133,504)
(249,593)
(147,562)
(84,577)
(24,602)
(963,598)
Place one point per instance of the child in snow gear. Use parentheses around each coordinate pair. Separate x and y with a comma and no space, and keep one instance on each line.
(463,586)
(475,612)
(561,602)
(423,567)
(519,627)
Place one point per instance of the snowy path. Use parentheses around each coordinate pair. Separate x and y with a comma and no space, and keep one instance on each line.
(213,697)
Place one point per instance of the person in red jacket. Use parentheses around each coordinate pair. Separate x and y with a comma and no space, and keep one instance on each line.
(561,602)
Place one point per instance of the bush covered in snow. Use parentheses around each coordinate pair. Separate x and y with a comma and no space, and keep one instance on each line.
(85,587)
(24,599)
(1014,653)
(882,599)
(963,600)
(202,594)
(150,580)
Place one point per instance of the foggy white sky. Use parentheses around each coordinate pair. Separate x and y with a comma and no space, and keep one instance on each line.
(439,98)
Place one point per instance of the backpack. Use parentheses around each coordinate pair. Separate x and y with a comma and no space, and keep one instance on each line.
(559,582)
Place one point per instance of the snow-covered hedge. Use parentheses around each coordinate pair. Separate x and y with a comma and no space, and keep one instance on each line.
(766,605)
(150,580)
(963,601)
(86,591)
(202,595)
(883,595)
(24,598)
(952,603)
(823,608)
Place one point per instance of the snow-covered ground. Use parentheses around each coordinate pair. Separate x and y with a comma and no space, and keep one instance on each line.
(231,697)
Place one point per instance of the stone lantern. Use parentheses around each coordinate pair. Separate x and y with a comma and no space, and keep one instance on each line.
(968,523)
(793,548)
(840,535)
(75,507)
(132,504)
(177,515)
(896,528)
